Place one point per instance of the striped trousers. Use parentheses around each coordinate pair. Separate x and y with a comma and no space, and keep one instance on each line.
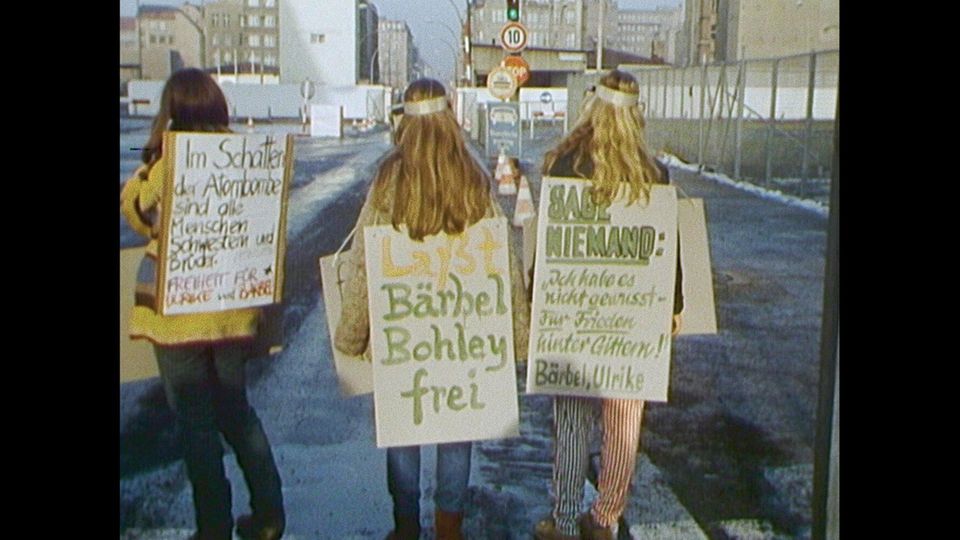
(620,421)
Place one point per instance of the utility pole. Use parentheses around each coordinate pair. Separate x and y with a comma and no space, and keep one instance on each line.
(467,54)
(600,38)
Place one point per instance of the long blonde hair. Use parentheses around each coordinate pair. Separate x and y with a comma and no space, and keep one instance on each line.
(612,138)
(429,182)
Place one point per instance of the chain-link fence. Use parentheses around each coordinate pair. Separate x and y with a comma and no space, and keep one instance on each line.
(767,121)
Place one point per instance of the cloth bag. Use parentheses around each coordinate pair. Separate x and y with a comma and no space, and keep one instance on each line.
(354,373)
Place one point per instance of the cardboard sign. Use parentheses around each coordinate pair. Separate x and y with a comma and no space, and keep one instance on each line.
(354,373)
(441,335)
(602,293)
(326,120)
(223,231)
(137,360)
(699,308)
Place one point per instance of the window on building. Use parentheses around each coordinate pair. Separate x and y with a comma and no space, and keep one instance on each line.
(269,60)
(254,40)
(242,20)
(269,21)
(153,38)
(318,38)
(253,3)
(253,20)
(254,58)
(269,3)
(215,40)
(170,40)
(269,40)
(228,57)
(228,40)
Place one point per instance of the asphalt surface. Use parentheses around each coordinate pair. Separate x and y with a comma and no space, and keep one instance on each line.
(728,456)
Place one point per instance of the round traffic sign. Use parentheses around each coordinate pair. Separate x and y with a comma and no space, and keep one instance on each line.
(519,67)
(513,37)
(501,83)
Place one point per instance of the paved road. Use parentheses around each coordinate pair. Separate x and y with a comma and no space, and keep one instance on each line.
(729,456)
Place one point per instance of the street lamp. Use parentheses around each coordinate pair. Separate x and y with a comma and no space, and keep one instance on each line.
(465,33)
(456,55)
(372,56)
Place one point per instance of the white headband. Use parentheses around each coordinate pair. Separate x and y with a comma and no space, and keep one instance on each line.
(427,106)
(616,97)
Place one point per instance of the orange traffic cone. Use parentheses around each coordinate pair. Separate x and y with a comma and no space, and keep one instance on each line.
(505,175)
(524,208)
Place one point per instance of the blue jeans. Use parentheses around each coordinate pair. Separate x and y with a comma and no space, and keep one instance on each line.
(205,387)
(453,475)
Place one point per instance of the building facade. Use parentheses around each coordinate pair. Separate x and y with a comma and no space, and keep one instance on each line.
(397,57)
(368,31)
(318,41)
(649,33)
(552,24)
(170,39)
(731,30)
(129,52)
(242,36)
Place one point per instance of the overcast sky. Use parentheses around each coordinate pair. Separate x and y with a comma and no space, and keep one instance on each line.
(433,23)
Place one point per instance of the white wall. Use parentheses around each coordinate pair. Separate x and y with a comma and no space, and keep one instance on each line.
(273,100)
(330,63)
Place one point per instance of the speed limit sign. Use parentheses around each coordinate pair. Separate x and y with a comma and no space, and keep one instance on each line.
(513,37)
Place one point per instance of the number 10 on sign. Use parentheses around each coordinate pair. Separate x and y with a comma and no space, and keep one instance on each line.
(513,37)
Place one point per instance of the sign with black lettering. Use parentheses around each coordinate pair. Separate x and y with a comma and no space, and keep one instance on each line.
(441,335)
(603,289)
(223,232)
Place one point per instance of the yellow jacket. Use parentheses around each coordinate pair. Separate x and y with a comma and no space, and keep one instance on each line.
(137,200)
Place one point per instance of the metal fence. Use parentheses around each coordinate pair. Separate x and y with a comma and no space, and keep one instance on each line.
(766,121)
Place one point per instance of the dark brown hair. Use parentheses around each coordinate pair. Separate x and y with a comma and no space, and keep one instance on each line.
(191,101)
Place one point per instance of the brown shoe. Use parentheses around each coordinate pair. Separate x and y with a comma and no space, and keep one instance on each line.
(547,530)
(448,525)
(591,530)
(252,528)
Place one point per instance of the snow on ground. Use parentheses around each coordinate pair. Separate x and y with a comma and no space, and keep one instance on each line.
(775,195)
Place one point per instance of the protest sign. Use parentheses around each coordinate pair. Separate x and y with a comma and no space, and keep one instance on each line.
(441,335)
(137,360)
(699,307)
(354,373)
(223,232)
(602,293)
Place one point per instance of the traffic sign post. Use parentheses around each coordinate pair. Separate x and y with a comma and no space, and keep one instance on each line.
(501,83)
(513,37)
(518,66)
(503,130)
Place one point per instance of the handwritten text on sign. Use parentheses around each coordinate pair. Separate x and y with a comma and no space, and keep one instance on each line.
(441,335)
(603,293)
(224,224)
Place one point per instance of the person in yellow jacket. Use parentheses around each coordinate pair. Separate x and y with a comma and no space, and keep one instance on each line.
(202,356)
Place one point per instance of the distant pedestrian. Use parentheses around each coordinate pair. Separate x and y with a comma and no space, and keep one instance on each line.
(202,356)
(607,146)
(430,184)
